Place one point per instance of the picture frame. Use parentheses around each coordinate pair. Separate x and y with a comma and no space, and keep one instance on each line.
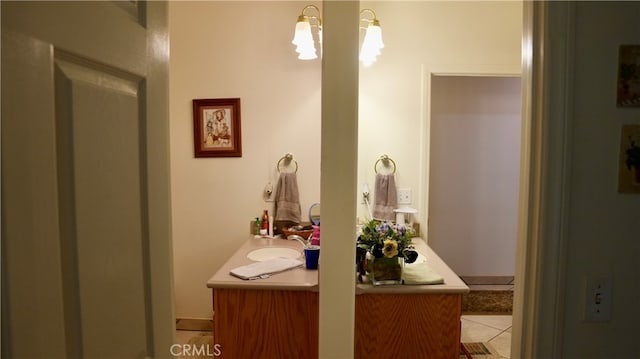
(629,162)
(216,127)
(628,92)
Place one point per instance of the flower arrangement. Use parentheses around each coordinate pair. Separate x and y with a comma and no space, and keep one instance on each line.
(386,244)
(382,239)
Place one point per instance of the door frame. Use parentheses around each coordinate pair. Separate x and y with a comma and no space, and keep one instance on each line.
(547,82)
(538,308)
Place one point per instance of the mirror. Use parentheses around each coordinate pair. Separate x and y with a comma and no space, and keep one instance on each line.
(314,214)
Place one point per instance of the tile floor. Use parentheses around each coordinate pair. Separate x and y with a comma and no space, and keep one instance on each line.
(183,336)
(495,329)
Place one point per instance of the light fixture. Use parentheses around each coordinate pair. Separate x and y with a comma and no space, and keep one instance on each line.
(305,45)
(372,43)
(303,38)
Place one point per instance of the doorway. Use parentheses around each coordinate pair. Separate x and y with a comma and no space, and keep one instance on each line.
(474,159)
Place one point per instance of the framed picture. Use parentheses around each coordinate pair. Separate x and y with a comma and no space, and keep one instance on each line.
(216,127)
(629,76)
(629,163)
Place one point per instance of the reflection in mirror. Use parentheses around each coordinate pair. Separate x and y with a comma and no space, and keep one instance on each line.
(314,214)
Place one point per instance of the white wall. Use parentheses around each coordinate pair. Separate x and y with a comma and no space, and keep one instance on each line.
(474,170)
(235,49)
(242,49)
(424,37)
(603,225)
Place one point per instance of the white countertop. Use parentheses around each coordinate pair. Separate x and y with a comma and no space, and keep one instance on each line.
(303,279)
(293,279)
(452,283)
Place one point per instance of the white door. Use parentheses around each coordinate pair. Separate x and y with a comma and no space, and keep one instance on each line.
(85,181)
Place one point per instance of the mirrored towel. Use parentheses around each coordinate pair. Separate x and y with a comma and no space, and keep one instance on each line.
(386,198)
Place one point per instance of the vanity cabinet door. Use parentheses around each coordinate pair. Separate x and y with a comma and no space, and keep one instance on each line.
(408,325)
(266,323)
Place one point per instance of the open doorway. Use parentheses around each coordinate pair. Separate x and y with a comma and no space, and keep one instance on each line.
(473,192)
(473,176)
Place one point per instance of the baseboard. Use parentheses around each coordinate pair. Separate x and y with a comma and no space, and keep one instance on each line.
(195,324)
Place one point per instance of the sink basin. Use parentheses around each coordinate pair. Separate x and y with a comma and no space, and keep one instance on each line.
(263,254)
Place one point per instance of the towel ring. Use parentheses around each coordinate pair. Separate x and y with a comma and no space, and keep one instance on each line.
(384,159)
(288,157)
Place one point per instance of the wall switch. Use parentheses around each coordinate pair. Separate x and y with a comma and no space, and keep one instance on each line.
(598,299)
(404,196)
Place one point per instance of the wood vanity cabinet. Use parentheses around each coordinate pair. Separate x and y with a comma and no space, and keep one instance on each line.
(277,317)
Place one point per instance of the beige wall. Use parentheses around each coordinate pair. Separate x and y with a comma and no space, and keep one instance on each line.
(422,38)
(235,49)
(603,225)
(242,49)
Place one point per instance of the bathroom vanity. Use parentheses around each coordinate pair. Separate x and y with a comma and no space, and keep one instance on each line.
(277,317)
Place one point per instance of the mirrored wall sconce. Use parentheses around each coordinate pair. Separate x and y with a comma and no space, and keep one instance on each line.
(372,43)
(305,43)
(303,38)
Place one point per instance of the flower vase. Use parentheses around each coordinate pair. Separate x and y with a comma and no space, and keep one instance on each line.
(385,270)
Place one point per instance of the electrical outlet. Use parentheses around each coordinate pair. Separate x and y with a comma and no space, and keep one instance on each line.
(268,194)
(404,196)
(598,299)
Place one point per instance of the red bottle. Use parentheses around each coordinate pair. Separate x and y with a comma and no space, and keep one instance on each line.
(265,220)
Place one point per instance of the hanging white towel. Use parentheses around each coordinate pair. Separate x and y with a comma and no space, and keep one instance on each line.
(288,198)
(386,198)
(264,269)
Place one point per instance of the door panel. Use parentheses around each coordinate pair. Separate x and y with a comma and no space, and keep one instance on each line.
(85,205)
(98,108)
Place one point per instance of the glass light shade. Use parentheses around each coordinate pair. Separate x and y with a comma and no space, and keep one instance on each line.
(303,39)
(374,35)
(371,45)
(302,33)
(308,55)
(306,52)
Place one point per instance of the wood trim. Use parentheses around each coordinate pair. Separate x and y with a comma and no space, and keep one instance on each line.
(538,301)
(338,177)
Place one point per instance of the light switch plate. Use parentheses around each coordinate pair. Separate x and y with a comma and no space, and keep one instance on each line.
(598,292)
